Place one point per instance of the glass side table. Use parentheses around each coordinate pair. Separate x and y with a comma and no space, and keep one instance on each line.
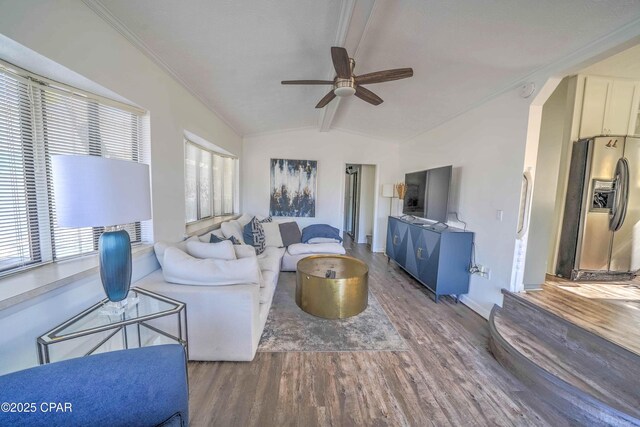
(154,320)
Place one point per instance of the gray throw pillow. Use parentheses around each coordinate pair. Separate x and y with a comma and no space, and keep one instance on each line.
(290,233)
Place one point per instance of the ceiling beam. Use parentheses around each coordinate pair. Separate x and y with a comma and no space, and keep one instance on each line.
(353,23)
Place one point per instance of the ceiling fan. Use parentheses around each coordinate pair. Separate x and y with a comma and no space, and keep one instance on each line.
(346,83)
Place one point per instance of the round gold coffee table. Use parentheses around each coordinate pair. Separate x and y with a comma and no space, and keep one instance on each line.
(332,286)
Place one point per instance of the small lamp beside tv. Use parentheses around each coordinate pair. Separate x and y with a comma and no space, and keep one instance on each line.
(388,192)
(93,191)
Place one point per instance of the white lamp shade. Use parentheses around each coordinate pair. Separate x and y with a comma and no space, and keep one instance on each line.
(93,191)
(387,190)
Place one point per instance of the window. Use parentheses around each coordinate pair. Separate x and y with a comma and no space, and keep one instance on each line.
(209,183)
(39,119)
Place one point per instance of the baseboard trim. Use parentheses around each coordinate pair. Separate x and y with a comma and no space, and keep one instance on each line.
(475,306)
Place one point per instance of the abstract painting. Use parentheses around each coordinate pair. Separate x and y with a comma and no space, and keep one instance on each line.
(293,188)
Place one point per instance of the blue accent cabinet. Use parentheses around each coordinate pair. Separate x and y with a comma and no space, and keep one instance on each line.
(438,257)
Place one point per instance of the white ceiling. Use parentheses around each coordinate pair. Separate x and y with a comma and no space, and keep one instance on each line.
(234,54)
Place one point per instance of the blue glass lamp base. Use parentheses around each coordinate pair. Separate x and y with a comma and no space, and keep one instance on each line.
(114,251)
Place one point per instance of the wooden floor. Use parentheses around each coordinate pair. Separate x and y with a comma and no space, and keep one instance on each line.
(610,310)
(448,376)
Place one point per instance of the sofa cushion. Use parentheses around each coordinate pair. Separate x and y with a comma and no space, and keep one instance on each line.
(244,251)
(323,240)
(271,262)
(182,268)
(269,283)
(160,247)
(222,250)
(271,251)
(290,233)
(320,230)
(272,236)
(316,248)
(232,228)
(244,219)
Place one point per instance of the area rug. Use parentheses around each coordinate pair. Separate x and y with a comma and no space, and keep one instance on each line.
(289,328)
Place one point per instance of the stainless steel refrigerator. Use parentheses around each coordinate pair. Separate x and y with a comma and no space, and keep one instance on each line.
(600,237)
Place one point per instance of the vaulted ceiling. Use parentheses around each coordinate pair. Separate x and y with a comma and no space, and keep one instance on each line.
(233,53)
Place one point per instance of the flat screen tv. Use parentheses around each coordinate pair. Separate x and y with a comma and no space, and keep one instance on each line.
(428,193)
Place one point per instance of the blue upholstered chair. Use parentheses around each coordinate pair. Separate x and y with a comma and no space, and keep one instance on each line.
(138,387)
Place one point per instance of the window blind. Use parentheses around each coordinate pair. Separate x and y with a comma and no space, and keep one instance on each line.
(18,209)
(209,183)
(37,121)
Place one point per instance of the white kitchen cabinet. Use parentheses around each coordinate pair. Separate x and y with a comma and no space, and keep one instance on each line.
(609,106)
(634,125)
(594,103)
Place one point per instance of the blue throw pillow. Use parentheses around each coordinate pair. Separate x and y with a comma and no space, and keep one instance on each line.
(253,234)
(247,232)
(320,230)
(216,239)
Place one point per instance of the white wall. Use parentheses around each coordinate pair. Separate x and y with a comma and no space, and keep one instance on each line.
(333,150)
(554,133)
(367,201)
(69,33)
(486,148)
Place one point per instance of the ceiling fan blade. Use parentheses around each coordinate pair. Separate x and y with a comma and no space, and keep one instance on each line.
(307,82)
(367,95)
(341,62)
(384,76)
(327,99)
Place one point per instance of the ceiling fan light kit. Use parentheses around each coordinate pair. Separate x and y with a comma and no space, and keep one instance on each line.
(346,83)
(344,87)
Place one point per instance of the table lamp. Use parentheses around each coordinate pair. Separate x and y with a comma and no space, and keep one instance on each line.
(93,191)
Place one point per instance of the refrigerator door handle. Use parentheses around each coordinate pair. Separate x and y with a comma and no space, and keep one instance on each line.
(619,211)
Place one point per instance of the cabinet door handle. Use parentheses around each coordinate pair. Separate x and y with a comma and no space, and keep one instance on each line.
(419,253)
(395,239)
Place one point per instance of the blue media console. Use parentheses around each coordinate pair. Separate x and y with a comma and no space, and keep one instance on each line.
(435,256)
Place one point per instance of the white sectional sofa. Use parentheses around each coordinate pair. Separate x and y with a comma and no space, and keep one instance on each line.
(228,300)
(298,251)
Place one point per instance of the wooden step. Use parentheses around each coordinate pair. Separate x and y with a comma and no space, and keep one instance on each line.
(607,362)
(596,308)
(587,378)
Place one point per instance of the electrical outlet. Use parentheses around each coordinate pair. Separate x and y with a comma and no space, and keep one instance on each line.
(484,271)
(480,270)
